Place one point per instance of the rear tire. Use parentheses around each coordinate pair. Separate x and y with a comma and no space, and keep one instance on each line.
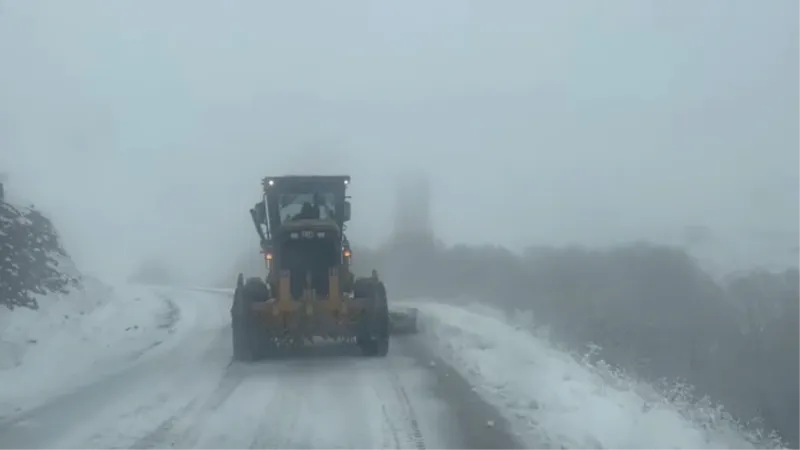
(241,343)
(373,338)
(249,340)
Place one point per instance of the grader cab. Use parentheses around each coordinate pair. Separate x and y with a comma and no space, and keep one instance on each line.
(309,291)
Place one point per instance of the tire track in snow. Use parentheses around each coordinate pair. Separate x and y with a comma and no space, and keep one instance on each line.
(184,428)
(273,407)
(413,434)
(324,400)
(349,402)
(161,433)
(477,424)
(191,396)
(416,434)
(172,316)
(158,395)
(286,422)
(167,320)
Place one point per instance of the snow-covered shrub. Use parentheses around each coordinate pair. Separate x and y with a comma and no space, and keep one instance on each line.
(30,254)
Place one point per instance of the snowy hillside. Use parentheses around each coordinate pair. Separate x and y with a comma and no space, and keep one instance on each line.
(59,328)
(553,397)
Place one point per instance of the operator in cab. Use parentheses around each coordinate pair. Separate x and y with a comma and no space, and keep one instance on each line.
(307,212)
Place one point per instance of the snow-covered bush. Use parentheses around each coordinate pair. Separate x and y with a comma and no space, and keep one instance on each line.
(30,254)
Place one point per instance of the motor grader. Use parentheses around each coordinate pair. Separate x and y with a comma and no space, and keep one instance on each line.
(309,291)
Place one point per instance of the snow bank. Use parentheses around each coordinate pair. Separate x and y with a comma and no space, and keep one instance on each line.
(59,328)
(76,338)
(555,399)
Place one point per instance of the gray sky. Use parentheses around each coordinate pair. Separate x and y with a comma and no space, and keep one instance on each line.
(145,126)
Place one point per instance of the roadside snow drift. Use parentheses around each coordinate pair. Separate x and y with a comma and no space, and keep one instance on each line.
(554,399)
(77,338)
(59,328)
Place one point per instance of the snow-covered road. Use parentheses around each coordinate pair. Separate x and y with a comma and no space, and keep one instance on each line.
(76,338)
(187,393)
(472,378)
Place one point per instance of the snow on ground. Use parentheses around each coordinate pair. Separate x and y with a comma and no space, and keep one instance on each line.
(76,338)
(553,397)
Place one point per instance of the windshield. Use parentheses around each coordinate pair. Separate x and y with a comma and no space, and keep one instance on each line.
(307,206)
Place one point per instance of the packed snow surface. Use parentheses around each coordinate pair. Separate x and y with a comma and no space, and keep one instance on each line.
(550,397)
(77,338)
(553,397)
(187,393)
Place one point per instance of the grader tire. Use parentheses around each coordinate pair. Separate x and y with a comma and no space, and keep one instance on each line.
(249,343)
(374,336)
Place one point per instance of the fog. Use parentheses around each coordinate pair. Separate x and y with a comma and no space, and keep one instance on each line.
(144,127)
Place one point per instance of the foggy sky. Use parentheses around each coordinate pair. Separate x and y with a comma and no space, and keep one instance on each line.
(144,127)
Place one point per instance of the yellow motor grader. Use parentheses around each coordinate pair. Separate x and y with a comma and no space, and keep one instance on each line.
(309,291)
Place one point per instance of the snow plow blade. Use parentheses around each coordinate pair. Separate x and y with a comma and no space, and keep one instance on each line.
(403,321)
